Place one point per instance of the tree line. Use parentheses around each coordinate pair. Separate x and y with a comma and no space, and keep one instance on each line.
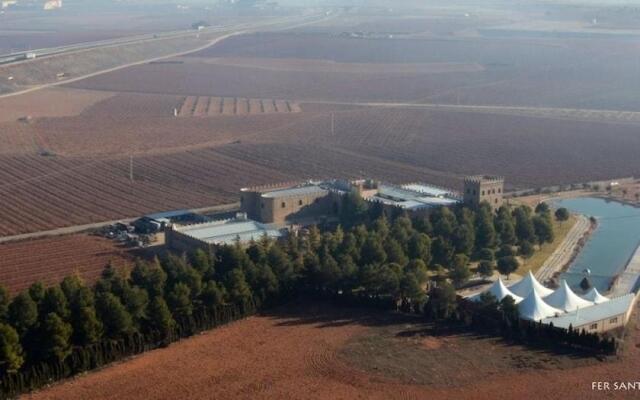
(373,253)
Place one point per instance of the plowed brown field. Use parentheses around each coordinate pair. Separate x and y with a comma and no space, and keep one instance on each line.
(294,354)
(50,260)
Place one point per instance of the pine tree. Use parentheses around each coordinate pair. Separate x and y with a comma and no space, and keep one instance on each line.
(485,231)
(36,291)
(4,302)
(55,337)
(11,356)
(395,253)
(543,228)
(54,301)
(460,273)
(135,300)
(237,287)
(419,247)
(213,294)
(372,252)
(179,300)
(201,261)
(159,317)
(524,225)
(87,328)
(23,313)
(113,315)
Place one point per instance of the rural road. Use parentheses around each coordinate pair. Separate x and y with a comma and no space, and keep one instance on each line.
(244,28)
(82,228)
(627,280)
(562,255)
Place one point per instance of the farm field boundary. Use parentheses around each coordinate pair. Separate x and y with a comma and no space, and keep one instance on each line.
(541,112)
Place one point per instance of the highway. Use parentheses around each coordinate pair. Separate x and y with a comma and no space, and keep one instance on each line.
(232,30)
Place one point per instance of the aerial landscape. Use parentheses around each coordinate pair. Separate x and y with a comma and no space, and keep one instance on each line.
(319,199)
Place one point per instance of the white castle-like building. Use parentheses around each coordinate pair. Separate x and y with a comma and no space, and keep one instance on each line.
(591,312)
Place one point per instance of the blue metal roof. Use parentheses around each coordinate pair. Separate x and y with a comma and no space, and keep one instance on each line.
(296,191)
(169,214)
(409,199)
(427,189)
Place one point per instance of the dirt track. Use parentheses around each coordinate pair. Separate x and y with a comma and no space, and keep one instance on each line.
(296,355)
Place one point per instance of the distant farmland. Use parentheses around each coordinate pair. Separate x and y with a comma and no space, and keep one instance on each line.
(257,109)
(529,72)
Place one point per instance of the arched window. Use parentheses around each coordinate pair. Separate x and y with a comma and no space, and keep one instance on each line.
(284,204)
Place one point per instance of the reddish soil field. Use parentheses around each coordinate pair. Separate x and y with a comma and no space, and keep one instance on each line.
(300,353)
(56,102)
(42,193)
(134,124)
(52,259)
(197,162)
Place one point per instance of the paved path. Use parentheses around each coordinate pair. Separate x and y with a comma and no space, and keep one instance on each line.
(562,255)
(627,280)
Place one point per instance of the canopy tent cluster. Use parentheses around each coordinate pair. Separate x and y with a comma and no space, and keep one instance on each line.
(537,302)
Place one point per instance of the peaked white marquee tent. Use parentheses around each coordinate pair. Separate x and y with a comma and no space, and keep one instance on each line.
(527,285)
(535,309)
(594,296)
(565,299)
(500,291)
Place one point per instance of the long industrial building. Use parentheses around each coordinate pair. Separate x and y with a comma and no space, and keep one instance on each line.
(210,234)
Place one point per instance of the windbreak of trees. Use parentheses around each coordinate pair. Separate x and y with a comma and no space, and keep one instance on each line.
(385,260)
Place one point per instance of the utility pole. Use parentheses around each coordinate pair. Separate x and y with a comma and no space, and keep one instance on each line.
(333,124)
(131,168)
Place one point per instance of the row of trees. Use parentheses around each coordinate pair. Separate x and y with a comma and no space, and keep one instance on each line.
(374,256)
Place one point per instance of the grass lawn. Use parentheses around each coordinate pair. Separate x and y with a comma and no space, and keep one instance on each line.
(561,229)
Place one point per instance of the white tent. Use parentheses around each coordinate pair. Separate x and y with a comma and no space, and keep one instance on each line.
(595,296)
(527,285)
(564,299)
(500,291)
(534,308)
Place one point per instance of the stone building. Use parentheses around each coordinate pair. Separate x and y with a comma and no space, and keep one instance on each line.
(483,188)
(283,203)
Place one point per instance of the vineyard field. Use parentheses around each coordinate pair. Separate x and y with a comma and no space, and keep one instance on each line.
(50,260)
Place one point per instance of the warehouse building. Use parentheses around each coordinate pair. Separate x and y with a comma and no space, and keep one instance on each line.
(227,232)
